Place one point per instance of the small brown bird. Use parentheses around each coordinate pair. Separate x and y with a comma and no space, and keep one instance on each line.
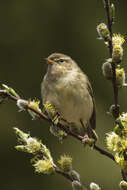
(68,89)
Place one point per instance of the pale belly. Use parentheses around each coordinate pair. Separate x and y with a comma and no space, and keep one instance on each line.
(73,104)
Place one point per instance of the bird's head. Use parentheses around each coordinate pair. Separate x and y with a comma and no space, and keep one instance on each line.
(60,64)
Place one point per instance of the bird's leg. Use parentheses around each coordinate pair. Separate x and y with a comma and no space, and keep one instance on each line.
(83,126)
(91,132)
(94,135)
(86,139)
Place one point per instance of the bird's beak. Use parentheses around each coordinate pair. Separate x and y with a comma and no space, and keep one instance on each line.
(49,61)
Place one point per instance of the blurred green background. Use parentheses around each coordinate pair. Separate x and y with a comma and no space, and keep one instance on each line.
(32,29)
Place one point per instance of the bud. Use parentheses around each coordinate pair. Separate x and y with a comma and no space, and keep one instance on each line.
(118,39)
(49,108)
(75,175)
(44,166)
(120,158)
(22,104)
(10,90)
(107,70)
(112,12)
(120,77)
(94,186)
(58,132)
(123,185)
(21,148)
(34,104)
(113,141)
(103,31)
(30,145)
(65,163)
(123,119)
(46,152)
(76,185)
(118,129)
(121,125)
(21,135)
(33,145)
(114,109)
(117,53)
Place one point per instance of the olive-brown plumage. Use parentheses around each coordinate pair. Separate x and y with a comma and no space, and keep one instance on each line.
(68,89)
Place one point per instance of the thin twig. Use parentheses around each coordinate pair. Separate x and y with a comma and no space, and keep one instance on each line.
(104,152)
(124,176)
(67,176)
(6,94)
(43,116)
(115,88)
(57,169)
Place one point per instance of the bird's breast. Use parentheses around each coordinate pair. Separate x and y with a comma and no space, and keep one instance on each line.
(74,100)
(70,97)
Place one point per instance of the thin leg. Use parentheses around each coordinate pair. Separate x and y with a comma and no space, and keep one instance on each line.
(83,126)
(85,137)
(90,136)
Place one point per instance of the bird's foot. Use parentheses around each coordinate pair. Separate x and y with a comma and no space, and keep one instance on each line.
(88,141)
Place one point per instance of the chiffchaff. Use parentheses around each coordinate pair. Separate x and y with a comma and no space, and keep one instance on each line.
(68,89)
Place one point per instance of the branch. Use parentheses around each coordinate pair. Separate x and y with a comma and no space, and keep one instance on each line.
(115,88)
(43,162)
(6,94)
(109,155)
(68,177)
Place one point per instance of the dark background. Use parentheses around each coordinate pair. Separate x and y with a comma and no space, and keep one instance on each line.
(32,29)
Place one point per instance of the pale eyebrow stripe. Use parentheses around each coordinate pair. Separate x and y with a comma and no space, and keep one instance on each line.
(64,58)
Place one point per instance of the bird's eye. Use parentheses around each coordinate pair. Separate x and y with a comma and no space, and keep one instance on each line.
(61,60)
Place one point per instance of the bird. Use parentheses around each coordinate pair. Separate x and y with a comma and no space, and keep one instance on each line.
(68,89)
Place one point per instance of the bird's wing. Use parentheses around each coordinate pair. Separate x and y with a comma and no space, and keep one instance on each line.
(93,117)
